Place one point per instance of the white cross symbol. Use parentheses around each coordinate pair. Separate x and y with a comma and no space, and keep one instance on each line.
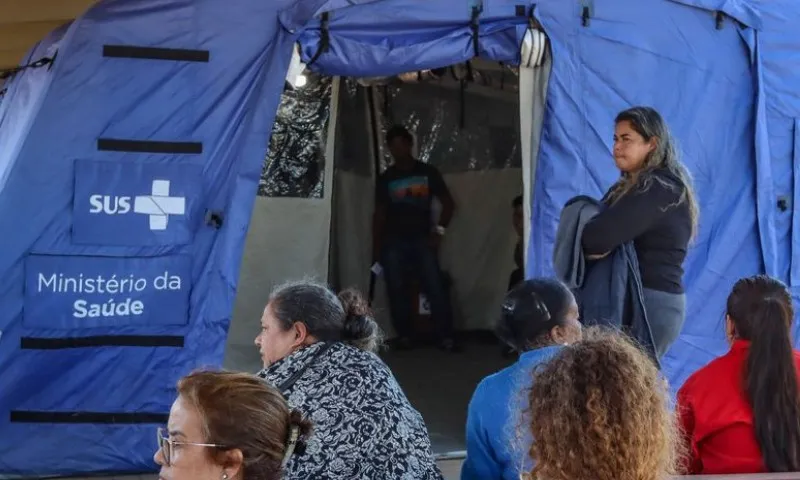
(159,205)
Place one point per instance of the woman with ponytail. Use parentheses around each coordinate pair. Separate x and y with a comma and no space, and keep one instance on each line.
(741,412)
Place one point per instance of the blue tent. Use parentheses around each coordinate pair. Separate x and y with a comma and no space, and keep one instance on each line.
(129,190)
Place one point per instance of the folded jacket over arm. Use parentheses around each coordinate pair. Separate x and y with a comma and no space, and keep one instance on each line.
(608,290)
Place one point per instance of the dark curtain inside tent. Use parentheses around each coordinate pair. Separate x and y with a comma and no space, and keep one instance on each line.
(295,163)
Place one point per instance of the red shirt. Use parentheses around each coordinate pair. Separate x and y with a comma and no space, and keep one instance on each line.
(717,418)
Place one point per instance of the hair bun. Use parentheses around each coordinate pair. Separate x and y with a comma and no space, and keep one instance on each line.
(354,304)
(359,328)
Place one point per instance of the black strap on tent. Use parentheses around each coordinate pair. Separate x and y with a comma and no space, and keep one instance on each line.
(37,343)
(586,16)
(533,23)
(149,146)
(214,219)
(522,11)
(150,53)
(324,38)
(121,418)
(475,26)
(719,18)
(42,62)
(8,73)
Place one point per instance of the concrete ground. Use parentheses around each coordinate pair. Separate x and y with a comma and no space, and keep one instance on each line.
(440,386)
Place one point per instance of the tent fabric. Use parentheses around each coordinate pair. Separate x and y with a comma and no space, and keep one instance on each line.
(93,404)
(710,84)
(701,80)
(423,35)
(712,67)
(23,94)
(726,88)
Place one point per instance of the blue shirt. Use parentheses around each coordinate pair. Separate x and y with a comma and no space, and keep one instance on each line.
(497,445)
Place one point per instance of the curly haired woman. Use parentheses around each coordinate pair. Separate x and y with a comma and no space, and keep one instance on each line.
(600,410)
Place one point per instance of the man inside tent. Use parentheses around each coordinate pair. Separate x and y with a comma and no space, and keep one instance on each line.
(405,242)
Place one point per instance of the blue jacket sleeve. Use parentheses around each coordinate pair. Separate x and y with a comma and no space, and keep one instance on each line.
(481,462)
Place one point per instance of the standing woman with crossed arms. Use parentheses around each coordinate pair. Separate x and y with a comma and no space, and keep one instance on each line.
(654,206)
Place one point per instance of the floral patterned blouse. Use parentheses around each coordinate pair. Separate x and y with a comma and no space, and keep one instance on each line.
(364,426)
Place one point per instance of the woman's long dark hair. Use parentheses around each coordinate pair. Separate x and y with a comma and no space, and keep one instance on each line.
(648,123)
(761,310)
(530,310)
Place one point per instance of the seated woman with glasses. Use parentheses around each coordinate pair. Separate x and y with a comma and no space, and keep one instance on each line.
(228,426)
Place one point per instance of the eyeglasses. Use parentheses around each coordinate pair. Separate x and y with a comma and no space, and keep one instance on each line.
(166,445)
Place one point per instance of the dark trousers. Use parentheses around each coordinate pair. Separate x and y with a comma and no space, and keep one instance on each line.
(404,260)
(666,313)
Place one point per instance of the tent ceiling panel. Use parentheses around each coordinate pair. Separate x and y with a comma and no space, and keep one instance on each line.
(25,22)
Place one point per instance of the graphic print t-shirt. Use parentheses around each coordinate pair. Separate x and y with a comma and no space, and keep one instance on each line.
(407,196)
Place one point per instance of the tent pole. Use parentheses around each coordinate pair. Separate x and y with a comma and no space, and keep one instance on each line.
(533,81)
(374,127)
(328,190)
